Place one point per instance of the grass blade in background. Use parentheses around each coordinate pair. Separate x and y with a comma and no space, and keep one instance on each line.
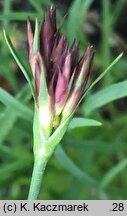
(111,174)
(69,165)
(106,33)
(19,16)
(37,5)
(15,105)
(8,117)
(117,11)
(105,96)
(75,19)
(6,123)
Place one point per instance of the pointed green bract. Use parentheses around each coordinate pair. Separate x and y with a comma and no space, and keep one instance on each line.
(43,97)
(18,61)
(57,136)
(81,75)
(36,37)
(45,114)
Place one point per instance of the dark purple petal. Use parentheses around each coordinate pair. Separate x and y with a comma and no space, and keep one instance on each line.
(52,16)
(75,54)
(59,49)
(48,31)
(78,84)
(61,90)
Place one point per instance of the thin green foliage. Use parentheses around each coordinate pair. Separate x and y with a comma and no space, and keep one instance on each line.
(105,96)
(117,11)
(20,64)
(82,122)
(37,5)
(20,16)
(15,105)
(111,174)
(75,18)
(73,168)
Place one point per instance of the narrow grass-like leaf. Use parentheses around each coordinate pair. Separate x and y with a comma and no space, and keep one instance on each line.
(15,105)
(11,168)
(20,16)
(104,96)
(106,32)
(9,117)
(112,174)
(82,122)
(76,17)
(6,123)
(6,10)
(20,64)
(69,165)
(117,10)
(72,19)
(37,5)
(9,76)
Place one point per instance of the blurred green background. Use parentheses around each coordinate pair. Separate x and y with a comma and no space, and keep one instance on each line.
(92,163)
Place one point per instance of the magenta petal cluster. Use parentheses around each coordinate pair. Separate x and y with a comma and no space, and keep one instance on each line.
(65,73)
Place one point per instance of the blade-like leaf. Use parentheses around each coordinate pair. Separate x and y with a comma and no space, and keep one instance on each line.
(6,122)
(82,122)
(104,96)
(15,105)
(37,5)
(18,61)
(20,16)
(76,17)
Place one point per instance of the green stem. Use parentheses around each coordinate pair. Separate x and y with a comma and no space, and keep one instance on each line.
(37,176)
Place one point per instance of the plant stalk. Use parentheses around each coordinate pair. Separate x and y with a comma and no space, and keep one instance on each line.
(37,176)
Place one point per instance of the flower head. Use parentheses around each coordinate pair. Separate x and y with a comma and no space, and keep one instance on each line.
(60,75)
